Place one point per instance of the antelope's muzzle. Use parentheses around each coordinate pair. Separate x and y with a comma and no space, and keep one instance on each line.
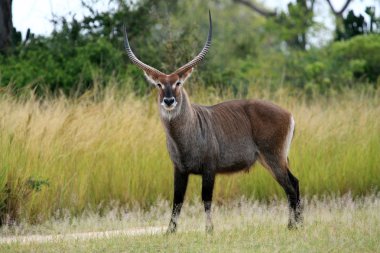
(169,103)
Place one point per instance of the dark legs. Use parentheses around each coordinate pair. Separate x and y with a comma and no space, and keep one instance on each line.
(180,185)
(289,183)
(292,192)
(208,180)
(297,208)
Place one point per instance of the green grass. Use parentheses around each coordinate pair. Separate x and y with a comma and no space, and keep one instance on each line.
(109,149)
(331,225)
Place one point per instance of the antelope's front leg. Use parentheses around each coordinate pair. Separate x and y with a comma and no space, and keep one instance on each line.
(180,185)
(208,179)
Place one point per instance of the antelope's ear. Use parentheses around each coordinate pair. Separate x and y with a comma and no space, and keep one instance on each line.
(151,79)
(184,76)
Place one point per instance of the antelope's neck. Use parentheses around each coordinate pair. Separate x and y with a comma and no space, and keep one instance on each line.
(181,119)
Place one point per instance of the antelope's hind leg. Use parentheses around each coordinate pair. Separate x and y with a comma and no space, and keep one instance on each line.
(298,211)
(280,171)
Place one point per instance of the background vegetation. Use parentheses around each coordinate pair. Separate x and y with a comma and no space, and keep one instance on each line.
(79,127)
(247,48)
(64,154)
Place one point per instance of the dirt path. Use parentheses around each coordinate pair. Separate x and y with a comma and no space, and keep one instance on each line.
(81,236)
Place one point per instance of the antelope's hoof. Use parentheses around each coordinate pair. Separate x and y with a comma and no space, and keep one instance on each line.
(292,226)
(209,229)
(299,220)
(171,229)
(295,225)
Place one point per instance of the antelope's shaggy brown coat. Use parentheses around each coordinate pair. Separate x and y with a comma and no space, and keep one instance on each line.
(227,137)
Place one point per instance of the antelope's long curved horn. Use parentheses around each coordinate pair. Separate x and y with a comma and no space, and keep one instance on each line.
(148,69)
(201,55)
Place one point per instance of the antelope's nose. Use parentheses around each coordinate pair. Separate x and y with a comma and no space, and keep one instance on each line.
(169,101)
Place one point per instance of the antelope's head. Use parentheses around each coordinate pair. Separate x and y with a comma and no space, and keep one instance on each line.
(170,86)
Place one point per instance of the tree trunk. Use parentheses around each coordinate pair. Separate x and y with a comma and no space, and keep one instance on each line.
(6,25)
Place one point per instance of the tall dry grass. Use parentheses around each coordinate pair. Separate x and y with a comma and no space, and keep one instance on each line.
(106,147)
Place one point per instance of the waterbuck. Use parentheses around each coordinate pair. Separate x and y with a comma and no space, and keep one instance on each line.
(223,138)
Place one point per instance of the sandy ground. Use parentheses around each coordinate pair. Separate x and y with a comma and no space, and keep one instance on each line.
(81,236)
(329,215)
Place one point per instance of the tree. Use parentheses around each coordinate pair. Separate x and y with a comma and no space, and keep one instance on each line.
(253,6)
(6,25)
(296,21)
(293,25)
(353,25)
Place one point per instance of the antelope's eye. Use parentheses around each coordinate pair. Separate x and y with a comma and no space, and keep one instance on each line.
(159,85)
(178,83)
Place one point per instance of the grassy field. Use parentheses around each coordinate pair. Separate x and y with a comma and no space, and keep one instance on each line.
(108,149)
(331,225)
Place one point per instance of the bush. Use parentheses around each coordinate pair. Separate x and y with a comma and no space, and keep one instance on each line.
(355,62)
(359,57)
(248,51)
(61,65)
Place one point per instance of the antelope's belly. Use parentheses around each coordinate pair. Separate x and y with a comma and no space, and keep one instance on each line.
(237,157)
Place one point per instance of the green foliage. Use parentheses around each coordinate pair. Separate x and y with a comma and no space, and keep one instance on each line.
(358,56)
(71,58)
(247,50)
(342,64)
(57,64)
(354,25)
(294,24)
(37,184)
(15,192)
